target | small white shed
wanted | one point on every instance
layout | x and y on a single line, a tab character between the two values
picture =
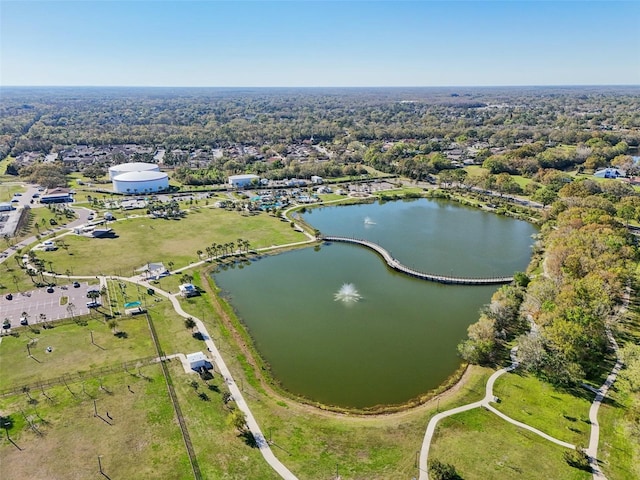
197	360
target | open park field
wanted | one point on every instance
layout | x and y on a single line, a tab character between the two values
71	350
135	433
482	445
142	240
561	414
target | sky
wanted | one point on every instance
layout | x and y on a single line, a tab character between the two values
308	43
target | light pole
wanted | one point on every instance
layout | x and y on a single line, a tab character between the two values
100	464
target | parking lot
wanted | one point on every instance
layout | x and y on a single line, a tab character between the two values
35	302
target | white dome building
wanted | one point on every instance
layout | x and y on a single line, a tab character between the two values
136	182
132	167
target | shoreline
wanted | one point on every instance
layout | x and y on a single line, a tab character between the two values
245	345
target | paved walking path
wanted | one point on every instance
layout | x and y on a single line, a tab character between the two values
594	438
241	403
592	449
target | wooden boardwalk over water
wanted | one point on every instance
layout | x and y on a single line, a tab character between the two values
396	265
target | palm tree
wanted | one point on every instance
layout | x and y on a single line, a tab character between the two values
32	273
71	308
199	252
93	295
113	325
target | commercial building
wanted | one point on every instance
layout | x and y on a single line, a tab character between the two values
57	195
240	181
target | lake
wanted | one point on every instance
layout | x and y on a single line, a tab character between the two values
398	339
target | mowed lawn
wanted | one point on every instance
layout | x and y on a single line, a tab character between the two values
140	440
538	404
222	451
143	240
480	445
72	350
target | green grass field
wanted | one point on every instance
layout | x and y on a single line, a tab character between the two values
73	351
141	440
536	403
7	191
221	450
143	240
480	445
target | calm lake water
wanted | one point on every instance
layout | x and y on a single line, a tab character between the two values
399	338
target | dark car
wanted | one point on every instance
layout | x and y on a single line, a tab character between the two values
49	289
24	321
8	296
76	285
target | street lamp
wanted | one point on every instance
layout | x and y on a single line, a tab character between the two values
100	464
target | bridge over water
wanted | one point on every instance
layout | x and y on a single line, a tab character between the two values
396	265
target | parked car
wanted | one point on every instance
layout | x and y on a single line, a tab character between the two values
76	284
24	321
49	289
8	296
6	324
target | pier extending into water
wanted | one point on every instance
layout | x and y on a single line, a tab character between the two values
396	265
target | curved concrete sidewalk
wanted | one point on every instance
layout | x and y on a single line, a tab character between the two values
486	403
252	424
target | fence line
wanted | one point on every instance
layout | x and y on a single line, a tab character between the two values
197	474
79	376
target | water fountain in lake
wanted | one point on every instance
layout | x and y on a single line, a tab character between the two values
368	221
347	294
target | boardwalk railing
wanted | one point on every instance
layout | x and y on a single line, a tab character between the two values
396	265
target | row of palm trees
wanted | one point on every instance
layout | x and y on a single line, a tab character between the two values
222	249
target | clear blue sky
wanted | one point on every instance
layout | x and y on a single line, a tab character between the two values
309	43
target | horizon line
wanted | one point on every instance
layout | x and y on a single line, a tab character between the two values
334	86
